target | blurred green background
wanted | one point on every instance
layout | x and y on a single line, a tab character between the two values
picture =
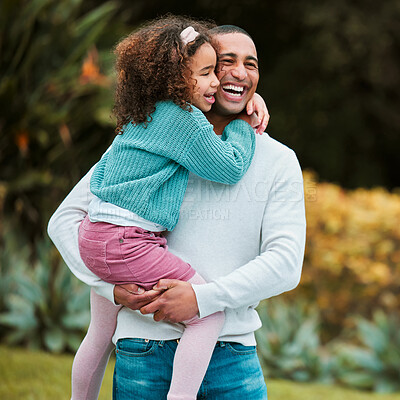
330	74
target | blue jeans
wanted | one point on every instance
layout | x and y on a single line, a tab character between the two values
143	371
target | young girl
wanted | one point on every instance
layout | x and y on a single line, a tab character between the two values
165	81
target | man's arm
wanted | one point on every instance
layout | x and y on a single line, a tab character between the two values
63	230
276	270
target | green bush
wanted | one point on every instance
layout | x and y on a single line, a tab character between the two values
372	361
47	307
289	342
365	356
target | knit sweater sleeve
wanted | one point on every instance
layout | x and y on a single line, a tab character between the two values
224	161
187	138
278	267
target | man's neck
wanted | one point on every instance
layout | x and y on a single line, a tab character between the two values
219	121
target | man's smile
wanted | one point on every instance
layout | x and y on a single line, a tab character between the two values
233	91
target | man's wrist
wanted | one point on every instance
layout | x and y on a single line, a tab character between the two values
207	302
106	290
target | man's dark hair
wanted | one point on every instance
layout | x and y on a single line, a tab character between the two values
225	29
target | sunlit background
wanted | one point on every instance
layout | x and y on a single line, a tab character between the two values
330	75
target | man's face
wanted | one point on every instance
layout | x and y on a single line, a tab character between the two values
237	72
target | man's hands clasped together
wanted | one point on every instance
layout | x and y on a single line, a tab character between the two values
171	300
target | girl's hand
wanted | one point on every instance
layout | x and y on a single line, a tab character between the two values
258	111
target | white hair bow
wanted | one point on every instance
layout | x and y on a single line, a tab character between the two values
188	35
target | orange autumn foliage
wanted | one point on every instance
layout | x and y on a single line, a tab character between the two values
91	71
22	142
352	260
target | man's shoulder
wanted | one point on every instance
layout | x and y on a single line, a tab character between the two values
273	159
270	148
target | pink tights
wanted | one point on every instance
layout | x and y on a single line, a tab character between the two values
191	360
92	356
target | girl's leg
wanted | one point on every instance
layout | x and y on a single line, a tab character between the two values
142	257
194	352
92	356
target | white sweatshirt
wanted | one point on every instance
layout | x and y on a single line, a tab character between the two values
247	240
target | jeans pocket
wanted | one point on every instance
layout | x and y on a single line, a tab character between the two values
94	255
135	347
239	349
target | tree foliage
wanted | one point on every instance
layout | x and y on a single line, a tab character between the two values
55	101
339	105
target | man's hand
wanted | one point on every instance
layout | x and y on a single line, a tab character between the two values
257	108
133	296
177	302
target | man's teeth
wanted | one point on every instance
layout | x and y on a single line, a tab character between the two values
234	90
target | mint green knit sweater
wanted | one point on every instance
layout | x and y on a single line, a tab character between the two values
146	170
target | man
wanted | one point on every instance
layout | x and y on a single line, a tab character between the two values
246	240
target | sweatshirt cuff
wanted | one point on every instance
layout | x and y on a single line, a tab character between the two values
106	290
207	301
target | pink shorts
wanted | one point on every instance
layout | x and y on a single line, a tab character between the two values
129	254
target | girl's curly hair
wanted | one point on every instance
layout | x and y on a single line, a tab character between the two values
153	65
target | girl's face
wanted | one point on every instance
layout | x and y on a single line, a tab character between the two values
202	66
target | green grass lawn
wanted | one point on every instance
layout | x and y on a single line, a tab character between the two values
29	375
